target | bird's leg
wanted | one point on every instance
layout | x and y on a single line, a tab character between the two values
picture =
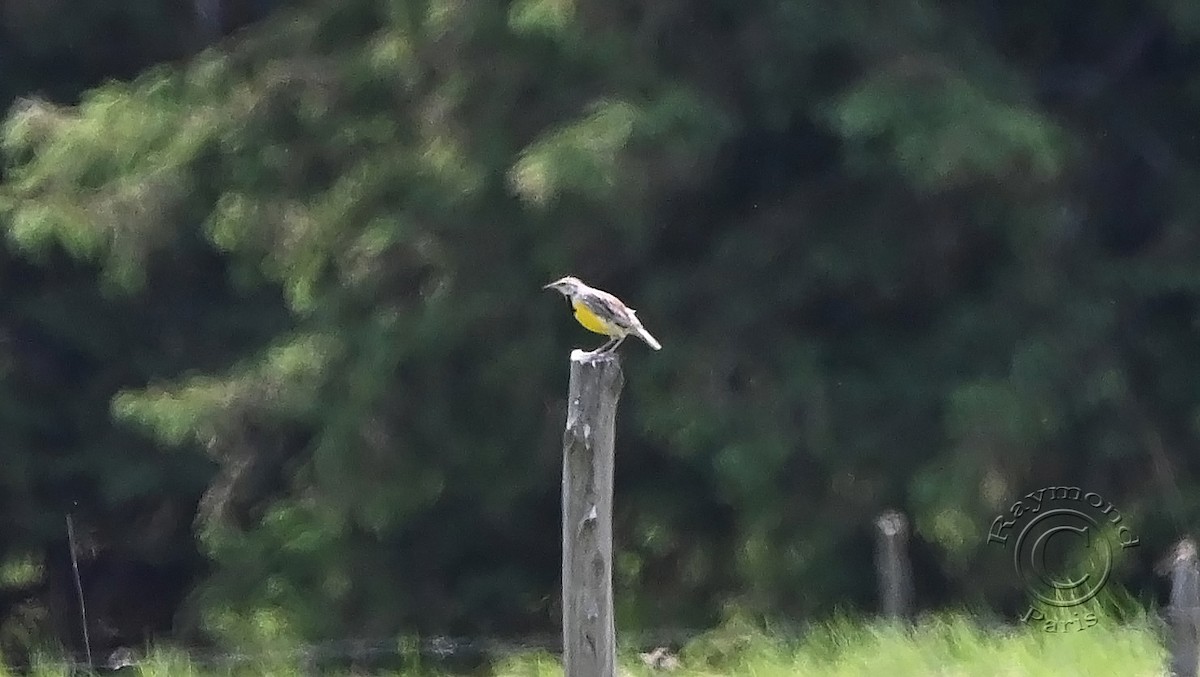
603	347
615	345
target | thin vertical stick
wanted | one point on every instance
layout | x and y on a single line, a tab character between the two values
589	631
87	642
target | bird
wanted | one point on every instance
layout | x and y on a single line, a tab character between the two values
602	313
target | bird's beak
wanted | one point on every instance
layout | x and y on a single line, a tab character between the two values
549	286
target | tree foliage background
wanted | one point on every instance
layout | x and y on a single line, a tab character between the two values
271	327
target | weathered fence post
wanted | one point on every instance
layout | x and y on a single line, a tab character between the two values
893	566
1184	610
589	632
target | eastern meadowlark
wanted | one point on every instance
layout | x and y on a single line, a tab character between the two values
602	313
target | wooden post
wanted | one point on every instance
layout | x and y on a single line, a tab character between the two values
589	631
893	566
1184	610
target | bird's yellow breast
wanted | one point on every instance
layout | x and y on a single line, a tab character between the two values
590	321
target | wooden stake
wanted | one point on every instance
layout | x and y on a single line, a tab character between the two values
1181	567
589	631
893	566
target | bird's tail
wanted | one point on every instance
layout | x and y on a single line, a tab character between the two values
645	336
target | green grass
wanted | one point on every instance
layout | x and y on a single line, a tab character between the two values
943	646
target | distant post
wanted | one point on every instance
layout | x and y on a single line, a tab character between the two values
893	565
1184	610
589	631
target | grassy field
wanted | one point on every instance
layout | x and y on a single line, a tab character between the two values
943	646
946	646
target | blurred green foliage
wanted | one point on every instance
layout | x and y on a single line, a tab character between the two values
271	313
